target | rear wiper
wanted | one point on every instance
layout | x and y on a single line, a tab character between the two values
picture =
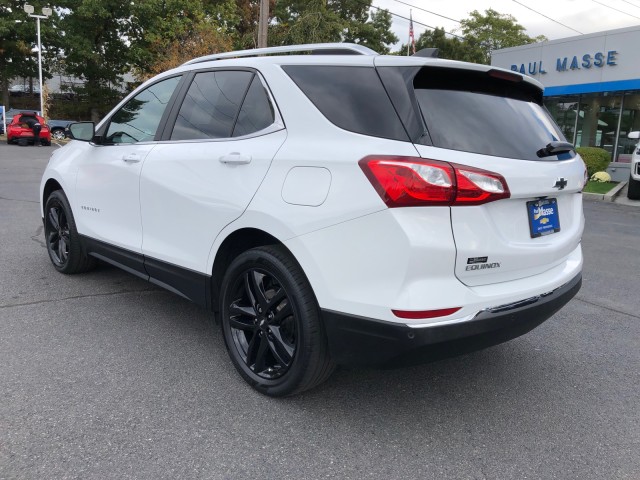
555	147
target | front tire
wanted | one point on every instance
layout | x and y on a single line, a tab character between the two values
271	323
633	190
61	236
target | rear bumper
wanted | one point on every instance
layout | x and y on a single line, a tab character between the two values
362	341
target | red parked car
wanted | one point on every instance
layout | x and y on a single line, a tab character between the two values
20	127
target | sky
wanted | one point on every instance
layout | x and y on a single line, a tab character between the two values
585	16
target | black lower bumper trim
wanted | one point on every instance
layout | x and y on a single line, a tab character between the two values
363	341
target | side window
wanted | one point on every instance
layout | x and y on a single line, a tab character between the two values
211	105
138	119
256	112
351	98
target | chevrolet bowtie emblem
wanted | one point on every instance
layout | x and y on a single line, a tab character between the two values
560	183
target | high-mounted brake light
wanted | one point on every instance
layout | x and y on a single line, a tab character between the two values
414	181
511	77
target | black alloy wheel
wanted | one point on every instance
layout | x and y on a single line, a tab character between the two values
57	234
262	323
271	323
61	236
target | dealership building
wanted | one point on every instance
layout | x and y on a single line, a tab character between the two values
592	87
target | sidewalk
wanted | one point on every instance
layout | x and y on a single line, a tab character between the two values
622	198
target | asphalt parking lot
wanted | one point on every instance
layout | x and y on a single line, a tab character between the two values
105	376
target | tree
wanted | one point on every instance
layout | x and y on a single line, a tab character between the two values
97	49
18	33
315	21
299	22
375	33
202	40
450	48
492	31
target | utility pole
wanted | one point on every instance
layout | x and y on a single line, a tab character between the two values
262	23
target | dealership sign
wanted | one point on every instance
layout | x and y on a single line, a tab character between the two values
597	60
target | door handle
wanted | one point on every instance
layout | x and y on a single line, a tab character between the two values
235	158
132	158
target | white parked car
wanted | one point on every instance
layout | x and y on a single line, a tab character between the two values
633	190
330	208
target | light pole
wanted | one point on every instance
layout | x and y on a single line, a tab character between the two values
46	13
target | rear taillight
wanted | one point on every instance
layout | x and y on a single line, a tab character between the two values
414	181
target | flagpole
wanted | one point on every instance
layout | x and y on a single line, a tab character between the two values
410	28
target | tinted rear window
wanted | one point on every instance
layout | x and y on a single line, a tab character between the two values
351	98
256	113
473	112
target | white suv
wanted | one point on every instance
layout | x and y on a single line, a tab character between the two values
330	208
633	190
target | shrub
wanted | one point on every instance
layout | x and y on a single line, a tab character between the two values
596	159
601	177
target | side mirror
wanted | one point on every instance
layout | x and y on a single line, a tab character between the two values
83	131
635	135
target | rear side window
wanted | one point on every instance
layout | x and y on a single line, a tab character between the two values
351	98
211	105
256	112
473	112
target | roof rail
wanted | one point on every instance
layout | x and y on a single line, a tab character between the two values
314	48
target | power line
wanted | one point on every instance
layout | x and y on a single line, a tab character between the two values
621	11
632	4
428	11
407	18
548	18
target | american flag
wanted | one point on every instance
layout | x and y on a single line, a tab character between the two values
412	39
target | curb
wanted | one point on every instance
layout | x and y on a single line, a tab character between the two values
614	192
592	197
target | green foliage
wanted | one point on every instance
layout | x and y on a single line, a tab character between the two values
493	31
18	34
482	35
317	21
599	187
99	41
450	48
97	49
596	159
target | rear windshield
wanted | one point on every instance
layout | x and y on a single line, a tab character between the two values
473	112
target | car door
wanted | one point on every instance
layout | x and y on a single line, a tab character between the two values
224	136
108	179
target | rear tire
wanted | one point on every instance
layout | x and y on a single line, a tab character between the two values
61	237
271	323
633	190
